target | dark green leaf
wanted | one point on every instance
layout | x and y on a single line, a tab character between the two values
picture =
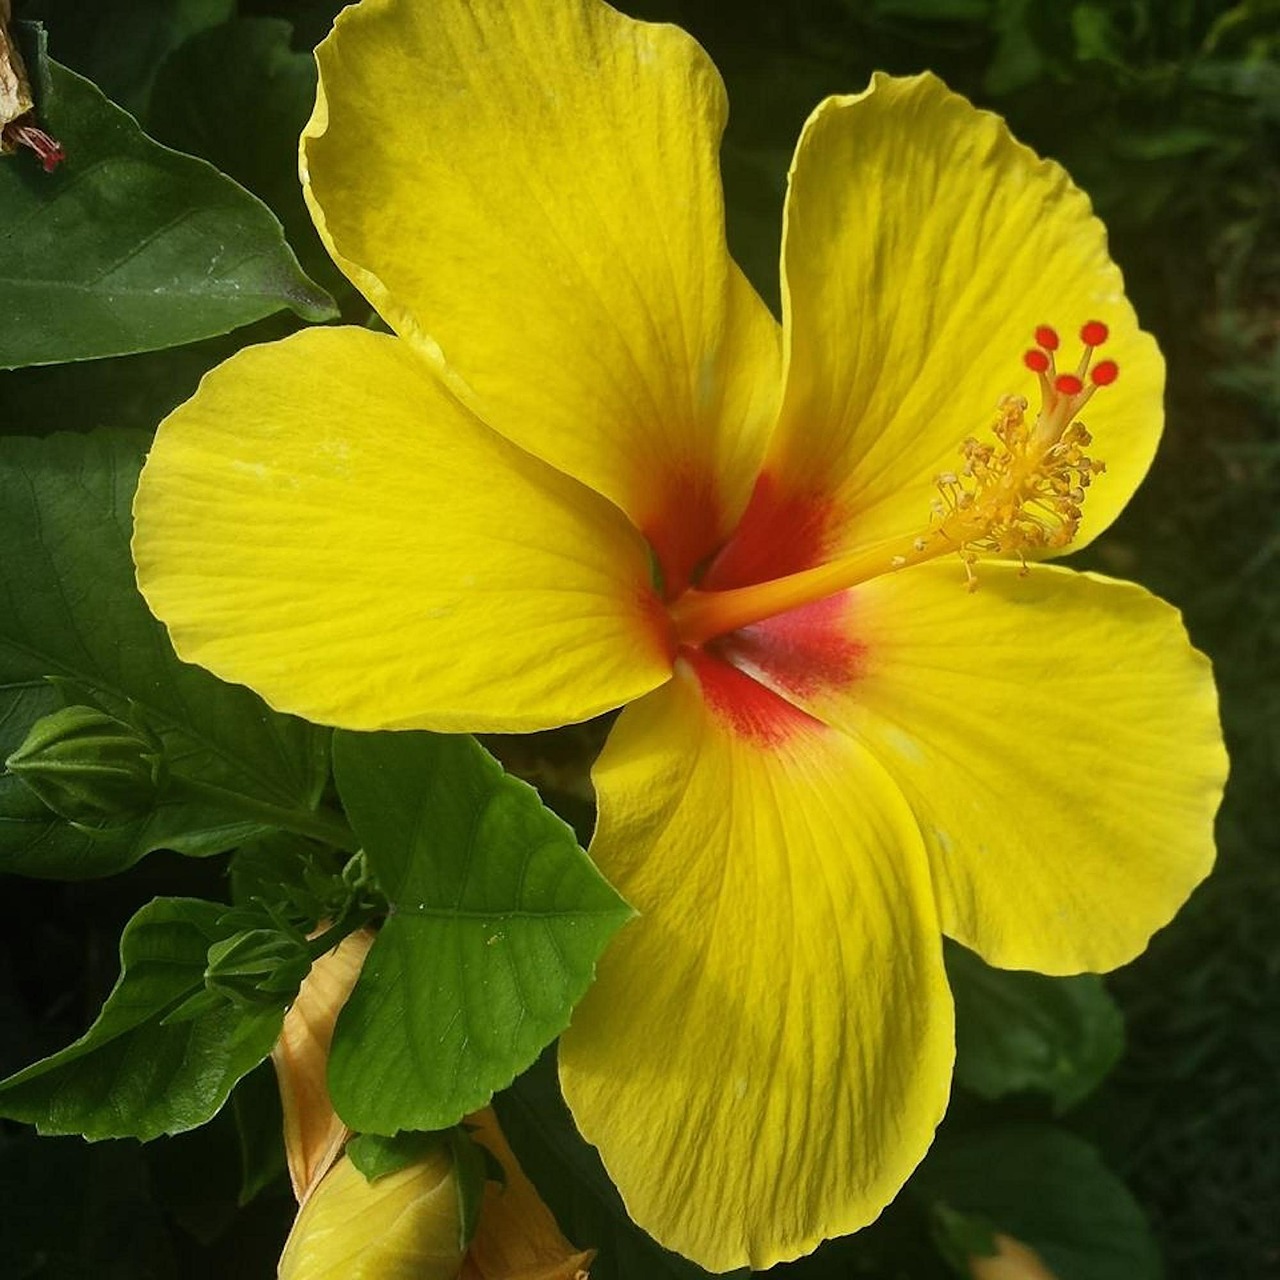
497	920
1049	1189
376	1156
570	1178
259	1122
1015	1031
238	95
961	1236
119	43
129	246
471	1165
136	1072
69	608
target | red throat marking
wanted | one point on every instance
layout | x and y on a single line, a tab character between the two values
744	705
779	533
804	652
686	529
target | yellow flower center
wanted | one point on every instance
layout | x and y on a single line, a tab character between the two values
1021	493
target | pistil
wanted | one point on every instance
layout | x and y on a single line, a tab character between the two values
1021	494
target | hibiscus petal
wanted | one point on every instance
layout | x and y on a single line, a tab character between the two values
923	246
766	1052
1057	737
324	523
530	191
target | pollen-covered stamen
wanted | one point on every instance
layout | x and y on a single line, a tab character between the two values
1016	495
1022	494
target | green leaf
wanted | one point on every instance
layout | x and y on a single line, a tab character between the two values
376	1156
570	1178
238	95
69	608
259	1124
497	920
1049	1189
119	43
1016	1031
130	246
136	1072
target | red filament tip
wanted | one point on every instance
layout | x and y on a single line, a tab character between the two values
1036	361
1104	373
1094	334
1047	338
20	134
1068	384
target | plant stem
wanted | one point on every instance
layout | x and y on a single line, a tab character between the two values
323	825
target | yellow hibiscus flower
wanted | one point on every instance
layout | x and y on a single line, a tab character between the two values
835	753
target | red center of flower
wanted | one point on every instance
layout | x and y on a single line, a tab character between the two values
773	609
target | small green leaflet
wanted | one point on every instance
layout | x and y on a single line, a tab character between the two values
130	246
69	608
1016	1031
138	1071
497	920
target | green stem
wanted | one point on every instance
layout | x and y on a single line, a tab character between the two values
328	827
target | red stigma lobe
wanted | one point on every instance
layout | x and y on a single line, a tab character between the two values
1036	361
1104	373
1094	334
1068	384
1047	338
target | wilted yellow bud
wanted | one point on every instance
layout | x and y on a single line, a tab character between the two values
1012	1260
517	1238
402	1226
313	1134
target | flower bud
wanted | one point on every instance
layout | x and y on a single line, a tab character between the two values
89	767
404	1225
257	965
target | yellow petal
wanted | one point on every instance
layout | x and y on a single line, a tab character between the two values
1057	737
313	1134
516	1238
922	247
403	1226
766	1052
324	523
529	190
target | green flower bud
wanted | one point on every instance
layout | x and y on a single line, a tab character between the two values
257	965
89	767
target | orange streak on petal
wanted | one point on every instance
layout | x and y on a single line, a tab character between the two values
516	1238
313	1134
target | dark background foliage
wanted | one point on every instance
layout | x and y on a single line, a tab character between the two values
1168	113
